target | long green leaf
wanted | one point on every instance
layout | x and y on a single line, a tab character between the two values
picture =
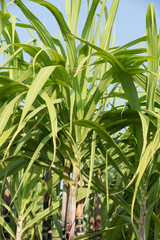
35	155
89	20
6	134
70	42
35	88
38	26
6	227
93	149
105	135
7	112
53	119
104	43
4	17
144	161
41	215
152	50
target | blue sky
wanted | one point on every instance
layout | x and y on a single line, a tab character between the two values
131	19
129	23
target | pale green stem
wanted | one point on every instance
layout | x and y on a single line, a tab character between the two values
19	227
142	222
71	211
65	199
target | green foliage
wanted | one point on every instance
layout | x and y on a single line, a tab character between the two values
63	105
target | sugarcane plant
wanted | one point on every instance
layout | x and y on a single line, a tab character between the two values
75	161
72	138
146	137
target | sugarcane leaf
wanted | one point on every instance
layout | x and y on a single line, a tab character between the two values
72	101
89	20
105	38
156	219
152	50
10	211
53	119
14	54
6	134
130	52
144	161
145	127
4	17
93	148
13	24
7	112
99	20
10	89
129	89
90	106
75	11
126	81
24	25
120	201
89	235
81	65
6	227
130	44
4	48
35	88
82	193
38	26
41	215
105	135
17	163
70	42
42	56
53	181
68	11
35	155
124	77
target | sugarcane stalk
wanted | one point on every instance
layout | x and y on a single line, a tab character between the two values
6	214
91	215
79	213
142	222
79	218
71	211
65	199
19	227
97	215
47	223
